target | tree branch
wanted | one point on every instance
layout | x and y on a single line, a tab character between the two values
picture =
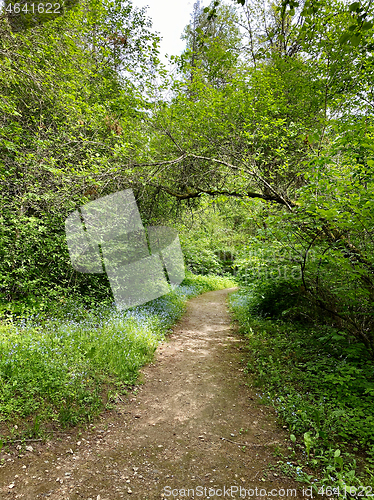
277	197
197	193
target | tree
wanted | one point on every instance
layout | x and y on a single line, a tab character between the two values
70	123
212	45
268	134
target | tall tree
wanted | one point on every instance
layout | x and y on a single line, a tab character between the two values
70	124
212	44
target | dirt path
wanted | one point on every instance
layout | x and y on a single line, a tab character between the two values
169	436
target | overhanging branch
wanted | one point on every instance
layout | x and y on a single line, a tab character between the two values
275	197
199	192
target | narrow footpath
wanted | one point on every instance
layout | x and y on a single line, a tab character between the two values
193	428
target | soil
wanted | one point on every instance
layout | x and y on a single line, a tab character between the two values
193	428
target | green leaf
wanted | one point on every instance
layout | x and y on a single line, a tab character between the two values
344	38
355	40
367	25
354	6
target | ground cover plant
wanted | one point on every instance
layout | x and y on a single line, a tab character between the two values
56	370
321	384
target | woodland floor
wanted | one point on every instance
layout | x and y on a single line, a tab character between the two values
179	430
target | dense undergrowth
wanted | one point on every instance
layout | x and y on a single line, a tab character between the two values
61	370
320	381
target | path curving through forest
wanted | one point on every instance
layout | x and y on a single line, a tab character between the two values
193	428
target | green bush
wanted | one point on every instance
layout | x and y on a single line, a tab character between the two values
202	261
275	299
320	382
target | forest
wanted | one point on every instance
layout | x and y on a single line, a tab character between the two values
256	144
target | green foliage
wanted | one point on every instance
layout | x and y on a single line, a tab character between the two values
334	221
275	299
202	261
69	121
320	382
210	240
212	44
208	283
